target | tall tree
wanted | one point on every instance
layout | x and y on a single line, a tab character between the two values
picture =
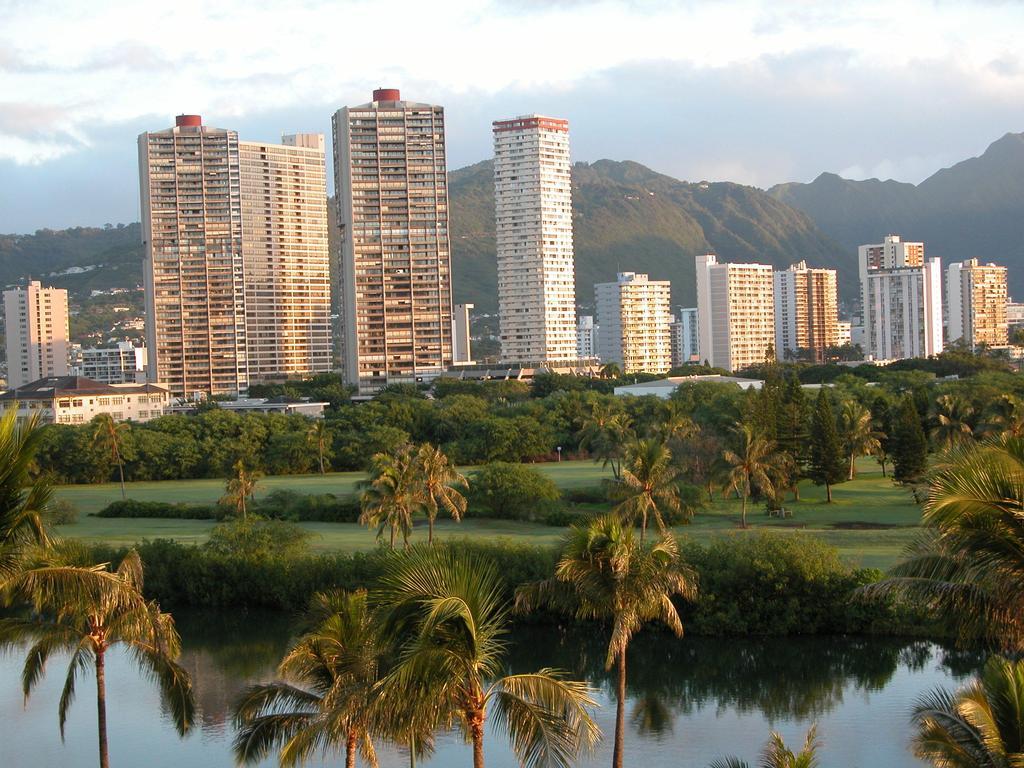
649	485
777	755
953	416
753	465
326	699
319	436
793	430
909	444
240	488
440	481
1004	416
968	568
605	574
826	466
448	612
979	726
23	497
393	494
84	612
858	433
605	433
882	412
108	437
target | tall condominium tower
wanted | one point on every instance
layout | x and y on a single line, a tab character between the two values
533	226
685	337
901	298
806	311
976	304
586	336
392	192
461	337
634	315
735	313
193	269
36	322
286	257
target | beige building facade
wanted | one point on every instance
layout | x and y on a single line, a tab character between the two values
286	258
193	270
36	326
635	315
396	285
78	400
976	304
735	313
806	311
533	230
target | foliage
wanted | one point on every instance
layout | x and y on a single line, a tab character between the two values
257	539
909	444
777	755
23	500
510	492
392	494
131	508
649	485
754	466
826	465
60	512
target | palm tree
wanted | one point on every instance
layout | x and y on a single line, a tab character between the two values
952	421
22	497
777	755
319	436
448	611
393	494
649	485
86	611
1005	416
604	573
439	478
979	726
107	436
241	487
858	433
675	424
611	371
753	465
326	699
604	434
969	565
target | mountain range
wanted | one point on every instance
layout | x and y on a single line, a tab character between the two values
630	218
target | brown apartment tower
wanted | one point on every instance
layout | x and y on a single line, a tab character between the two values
193	270
392	196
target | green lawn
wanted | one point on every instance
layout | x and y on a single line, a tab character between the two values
870	521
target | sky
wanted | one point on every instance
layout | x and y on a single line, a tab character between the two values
724	90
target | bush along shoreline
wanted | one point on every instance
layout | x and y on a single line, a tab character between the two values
765	584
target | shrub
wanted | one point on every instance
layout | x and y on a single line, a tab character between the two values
60	512
560	518
510	492
594	494
309	507
163	509
257	539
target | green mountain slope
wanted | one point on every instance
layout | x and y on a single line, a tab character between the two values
972	209
629	218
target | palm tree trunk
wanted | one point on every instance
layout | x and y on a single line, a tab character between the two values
828	492
322	470
620	712
882	462
476	731
430	530
350	750
393	536
796	490
743	512
120	469
101	706
853	470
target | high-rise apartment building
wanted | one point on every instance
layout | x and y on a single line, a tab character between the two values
735	313
36	324
901	300
286	258
193	269
462	345
634	314
586	337
533	227
123	364
806	311
392	191
976	304
685	337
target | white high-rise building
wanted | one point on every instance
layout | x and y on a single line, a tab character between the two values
976	301
735	313
193	269
901	298
586	336
123	364
685	337
533	227
806	311
36	321
286	257
463	353
634	315
391	182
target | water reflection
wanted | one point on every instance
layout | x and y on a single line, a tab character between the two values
690	700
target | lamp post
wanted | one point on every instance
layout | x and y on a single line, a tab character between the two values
559	449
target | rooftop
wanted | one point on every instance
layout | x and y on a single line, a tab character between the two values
58	386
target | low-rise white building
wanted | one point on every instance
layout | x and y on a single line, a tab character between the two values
77	400
123	364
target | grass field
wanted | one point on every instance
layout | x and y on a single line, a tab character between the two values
870	521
